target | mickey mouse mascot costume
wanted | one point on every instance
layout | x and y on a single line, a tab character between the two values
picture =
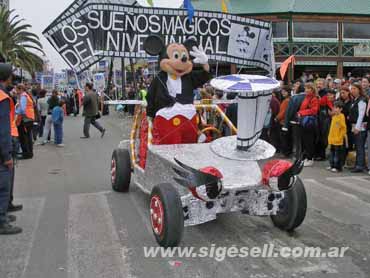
170	96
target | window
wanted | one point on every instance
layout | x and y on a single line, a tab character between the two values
318	30
280	29
356	30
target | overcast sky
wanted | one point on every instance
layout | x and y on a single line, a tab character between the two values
40	13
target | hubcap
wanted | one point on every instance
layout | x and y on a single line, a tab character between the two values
156	215
113	171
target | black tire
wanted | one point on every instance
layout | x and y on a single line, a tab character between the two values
122	162
173	216
294	207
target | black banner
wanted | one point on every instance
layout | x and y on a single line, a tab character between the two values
91	29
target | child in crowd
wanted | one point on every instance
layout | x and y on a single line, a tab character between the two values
337	138
58	116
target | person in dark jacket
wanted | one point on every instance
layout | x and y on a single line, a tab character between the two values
298	87
358	119
272	132
291	123
6	149
345	97
91	111
324	119
285	137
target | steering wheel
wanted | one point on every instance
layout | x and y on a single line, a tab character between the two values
209	131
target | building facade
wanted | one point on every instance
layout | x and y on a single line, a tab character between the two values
326	36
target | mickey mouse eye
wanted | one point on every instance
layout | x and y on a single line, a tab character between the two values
184	55
176	55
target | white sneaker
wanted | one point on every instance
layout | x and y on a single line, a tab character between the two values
328	168
60	145
308	163
334	170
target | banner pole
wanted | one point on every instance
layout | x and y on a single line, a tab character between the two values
110	75
133	72
123	76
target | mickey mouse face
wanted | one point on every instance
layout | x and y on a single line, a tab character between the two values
178	62
174	59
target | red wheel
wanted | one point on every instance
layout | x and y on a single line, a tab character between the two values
166	215
156	215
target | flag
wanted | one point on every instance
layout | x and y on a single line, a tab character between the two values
150	2
190	8
285	65
224	6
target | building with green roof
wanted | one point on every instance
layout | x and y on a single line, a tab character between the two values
326	36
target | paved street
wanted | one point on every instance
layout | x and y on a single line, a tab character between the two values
76	227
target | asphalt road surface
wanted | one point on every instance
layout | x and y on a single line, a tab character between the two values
76	227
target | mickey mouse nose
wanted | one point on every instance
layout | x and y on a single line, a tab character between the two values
184	59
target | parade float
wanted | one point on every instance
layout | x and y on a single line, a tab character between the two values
190	184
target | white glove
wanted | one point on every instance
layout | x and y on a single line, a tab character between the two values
200	56
202	138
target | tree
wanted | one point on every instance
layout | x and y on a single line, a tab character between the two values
18	45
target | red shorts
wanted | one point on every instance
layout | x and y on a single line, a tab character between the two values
177	130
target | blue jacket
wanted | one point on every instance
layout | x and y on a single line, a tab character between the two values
293	108
6	146
57	115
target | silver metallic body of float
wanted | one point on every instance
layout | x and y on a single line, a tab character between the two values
235	159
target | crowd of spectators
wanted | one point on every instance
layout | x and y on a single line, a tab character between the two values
317	119
321	119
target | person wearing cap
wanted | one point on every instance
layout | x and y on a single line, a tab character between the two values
7	129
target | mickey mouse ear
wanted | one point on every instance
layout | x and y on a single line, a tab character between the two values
189	44
153	45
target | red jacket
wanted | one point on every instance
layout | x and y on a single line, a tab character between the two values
324	101
310	106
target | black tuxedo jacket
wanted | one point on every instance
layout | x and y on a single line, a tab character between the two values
158	96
